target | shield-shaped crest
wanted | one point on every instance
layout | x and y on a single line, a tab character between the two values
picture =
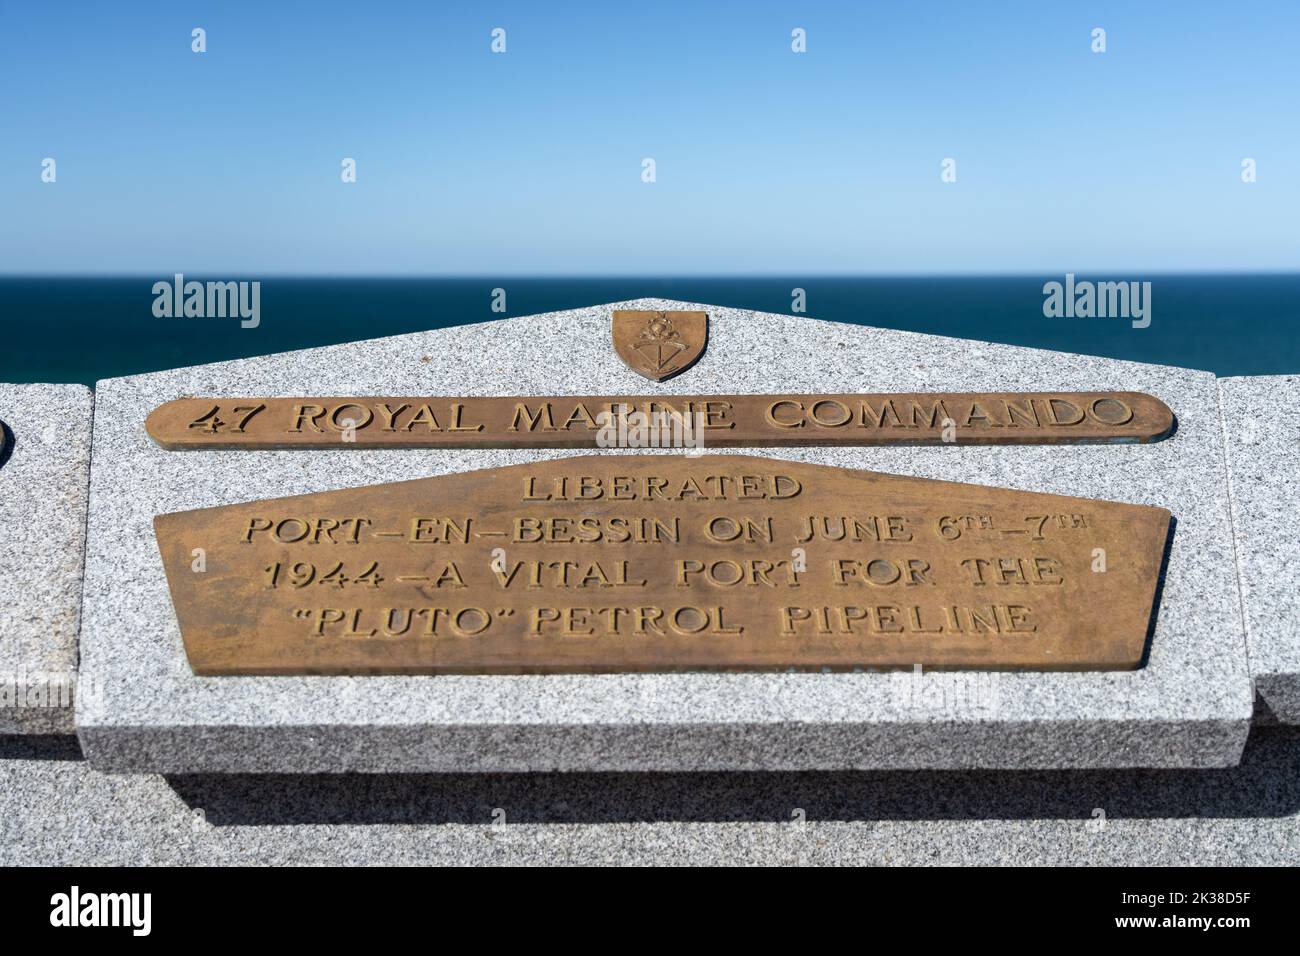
659	345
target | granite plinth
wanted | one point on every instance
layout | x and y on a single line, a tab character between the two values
1262	440
1188	706
43	476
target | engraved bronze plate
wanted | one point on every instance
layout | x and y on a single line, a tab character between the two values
659	345
662	563
645	421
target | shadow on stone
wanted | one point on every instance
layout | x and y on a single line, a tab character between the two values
1267	784
39	747
6	444
1160	589
1263	715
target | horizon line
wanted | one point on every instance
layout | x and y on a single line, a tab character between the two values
654	277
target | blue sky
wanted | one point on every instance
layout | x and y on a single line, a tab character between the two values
767	161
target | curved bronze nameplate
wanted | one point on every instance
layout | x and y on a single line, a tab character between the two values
648	421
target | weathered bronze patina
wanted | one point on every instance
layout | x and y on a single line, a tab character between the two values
663	563
659	345
646	421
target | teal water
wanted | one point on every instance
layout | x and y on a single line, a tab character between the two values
81	330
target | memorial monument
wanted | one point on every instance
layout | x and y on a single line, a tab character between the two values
911	552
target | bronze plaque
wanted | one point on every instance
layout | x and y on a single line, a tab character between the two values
659	345
647	421
663	563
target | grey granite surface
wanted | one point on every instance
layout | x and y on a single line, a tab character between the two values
1261	425
43	481
1189	706
57	810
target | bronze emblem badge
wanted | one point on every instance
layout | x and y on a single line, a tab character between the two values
660	345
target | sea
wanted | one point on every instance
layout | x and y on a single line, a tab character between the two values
85	329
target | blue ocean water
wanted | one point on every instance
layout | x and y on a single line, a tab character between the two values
84	329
